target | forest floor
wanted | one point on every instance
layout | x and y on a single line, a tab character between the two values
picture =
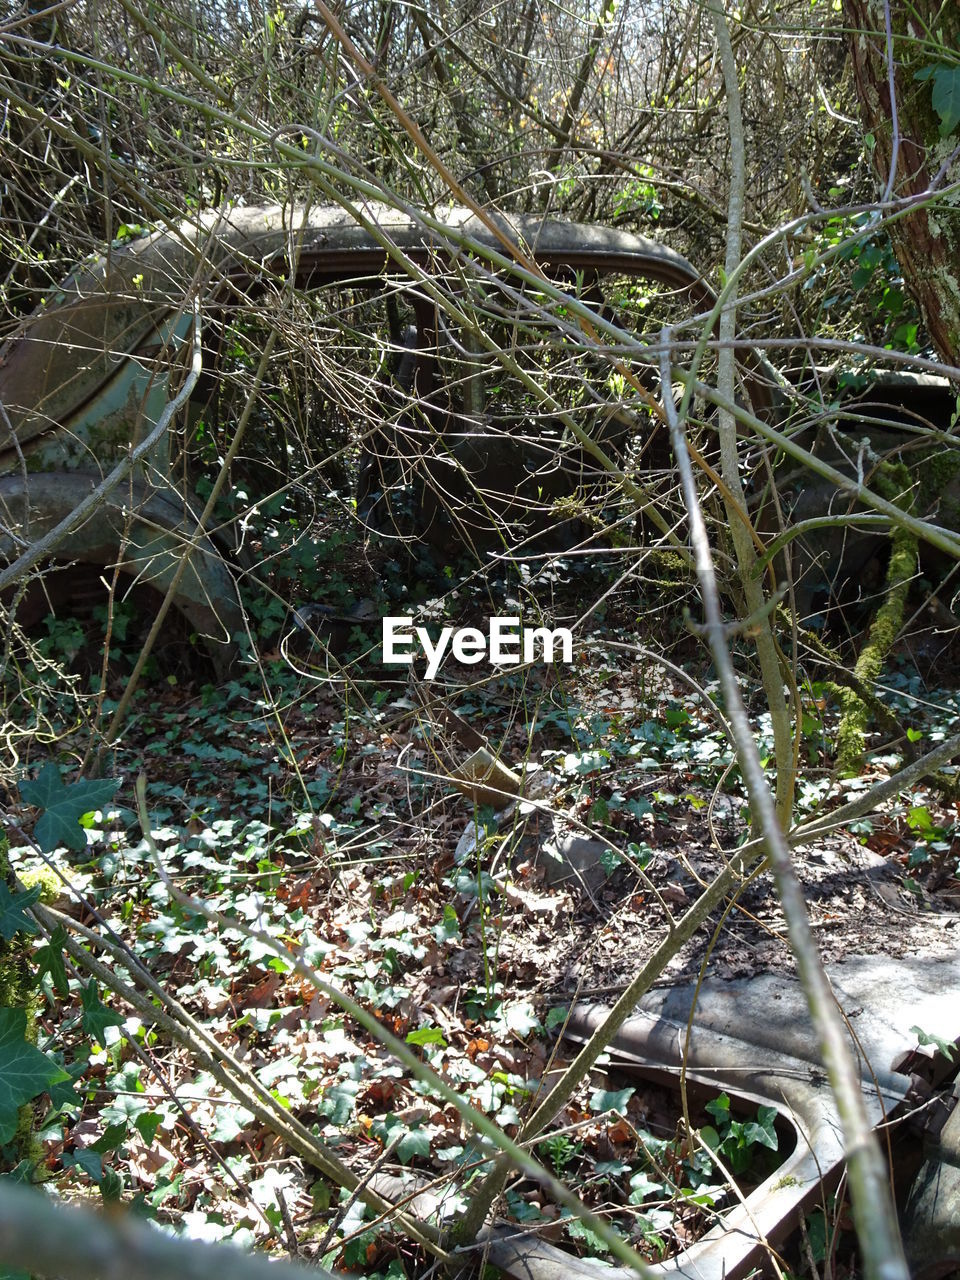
319	812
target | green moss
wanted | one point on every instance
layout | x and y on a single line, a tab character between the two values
676	572
933	470
51	886
570	507
939	468
106	436
37	464
893	483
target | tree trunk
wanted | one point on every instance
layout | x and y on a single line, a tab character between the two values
927	243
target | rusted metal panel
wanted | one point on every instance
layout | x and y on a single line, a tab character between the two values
71	350
141	530
754	1037
89	373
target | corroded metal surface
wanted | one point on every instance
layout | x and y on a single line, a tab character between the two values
89	373
143	531
931	1231
753	1037
76	344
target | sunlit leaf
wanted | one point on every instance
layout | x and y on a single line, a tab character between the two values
24	1070
96	1016
64	806
611	1100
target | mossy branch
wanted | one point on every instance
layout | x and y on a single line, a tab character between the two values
892	480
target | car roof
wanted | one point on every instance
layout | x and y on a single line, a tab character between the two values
112	305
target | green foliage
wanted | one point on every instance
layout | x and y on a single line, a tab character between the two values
64	806
339	1103
585	1235
611	1100
236	833
560	1151
279	803
861	285
49	959
946	1047
25	1072
946	93
639	197
63	1095
427	1036
736	1141
96	1016
412	1141
817	1235
131	231
12	911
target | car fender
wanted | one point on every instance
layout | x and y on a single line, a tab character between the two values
141	529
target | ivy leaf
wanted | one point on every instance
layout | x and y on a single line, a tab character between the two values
710	1136
412	1141
610	1100
719	1108
762	1133
580	1231
448	930
62	1093
518	1016
24	1070
927	1037
415	1142
918	819
12	908
49	959
147	1125
946	93
946	98
639	807
557	1016
96	1016
230	1121
111	1138
339	1102
64	806
427	1035
89	1161
817	1234
642	1185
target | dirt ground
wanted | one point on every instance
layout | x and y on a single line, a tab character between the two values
591	939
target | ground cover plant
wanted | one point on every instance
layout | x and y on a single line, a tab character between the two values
290	938
321	823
